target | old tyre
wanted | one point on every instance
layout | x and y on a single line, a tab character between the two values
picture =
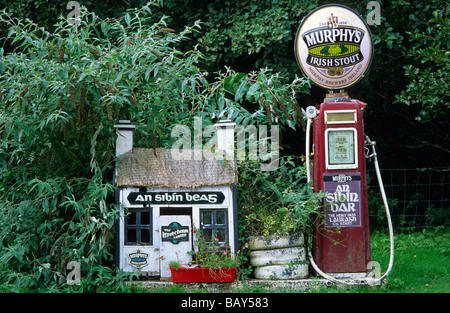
296	271
277	256
276	241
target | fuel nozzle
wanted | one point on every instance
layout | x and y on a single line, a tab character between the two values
370	143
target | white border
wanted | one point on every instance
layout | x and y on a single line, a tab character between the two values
342	166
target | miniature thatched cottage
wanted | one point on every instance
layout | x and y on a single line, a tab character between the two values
164	199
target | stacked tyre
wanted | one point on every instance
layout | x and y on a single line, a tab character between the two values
278	257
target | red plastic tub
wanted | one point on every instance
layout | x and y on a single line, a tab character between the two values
202	275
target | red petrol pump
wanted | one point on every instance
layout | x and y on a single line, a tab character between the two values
334	50
342	243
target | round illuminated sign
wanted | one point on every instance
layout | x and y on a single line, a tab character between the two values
334	46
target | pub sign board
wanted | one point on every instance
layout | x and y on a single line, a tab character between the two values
178	197
175	233
334	46
343	201
138	259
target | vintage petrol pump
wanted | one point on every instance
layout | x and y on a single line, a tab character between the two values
342	243
334	50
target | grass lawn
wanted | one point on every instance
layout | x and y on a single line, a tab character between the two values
421	262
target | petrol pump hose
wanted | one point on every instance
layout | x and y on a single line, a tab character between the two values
369	281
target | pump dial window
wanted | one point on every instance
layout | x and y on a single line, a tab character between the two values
341	148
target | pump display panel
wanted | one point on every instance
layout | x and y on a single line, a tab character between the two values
340	117
340	148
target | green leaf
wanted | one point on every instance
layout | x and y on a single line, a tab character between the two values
228	83
105	28
147	74
239	77
221	103
127	19
253	89
242	89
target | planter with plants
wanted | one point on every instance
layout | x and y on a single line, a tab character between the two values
276	209
211	263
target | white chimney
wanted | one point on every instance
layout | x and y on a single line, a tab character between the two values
124	141
225	138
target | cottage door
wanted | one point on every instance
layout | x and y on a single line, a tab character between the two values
176	241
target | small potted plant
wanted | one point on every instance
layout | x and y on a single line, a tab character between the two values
211	263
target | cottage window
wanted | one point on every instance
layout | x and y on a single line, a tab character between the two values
214	224
138	226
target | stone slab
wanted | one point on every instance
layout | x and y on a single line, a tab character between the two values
251	285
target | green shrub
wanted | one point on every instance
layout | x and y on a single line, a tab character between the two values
275	202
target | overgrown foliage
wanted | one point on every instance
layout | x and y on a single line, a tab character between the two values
61	93
275	202
247	33
429	86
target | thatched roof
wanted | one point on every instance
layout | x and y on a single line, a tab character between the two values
142	168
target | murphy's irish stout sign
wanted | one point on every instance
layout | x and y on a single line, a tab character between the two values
334	46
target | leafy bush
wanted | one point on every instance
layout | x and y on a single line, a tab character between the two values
275	202
429	78
61	93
